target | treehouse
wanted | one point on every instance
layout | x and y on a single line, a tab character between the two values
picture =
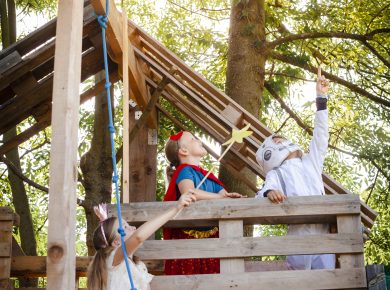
30	86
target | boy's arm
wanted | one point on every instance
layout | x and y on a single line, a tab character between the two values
271	183
319	144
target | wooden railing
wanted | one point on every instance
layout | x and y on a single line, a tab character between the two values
232	247
7	221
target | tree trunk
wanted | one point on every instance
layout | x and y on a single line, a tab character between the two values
245	71
4	24
19	195
11	21
96	166
22	208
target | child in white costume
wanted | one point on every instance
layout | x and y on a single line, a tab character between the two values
290	173
107	270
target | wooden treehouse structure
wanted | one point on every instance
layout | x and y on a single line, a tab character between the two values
39	80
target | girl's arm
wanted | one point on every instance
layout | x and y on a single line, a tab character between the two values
148	228
187	185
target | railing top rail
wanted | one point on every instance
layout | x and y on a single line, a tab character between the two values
307	209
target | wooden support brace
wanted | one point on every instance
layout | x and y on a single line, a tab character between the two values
145	114
125	122
114	37
61	259
231	229
351	224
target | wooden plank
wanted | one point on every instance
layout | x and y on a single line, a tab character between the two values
351	224
45	120
63	156
257	210
9	61
25	135
35	266
39	59
196	80
25	104
5	249
114	36
6	239
234	245
33	40
292	280
125	122
228	231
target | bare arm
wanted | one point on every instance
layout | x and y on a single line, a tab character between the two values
147	229
187	185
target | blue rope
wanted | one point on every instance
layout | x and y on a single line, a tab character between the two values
102	19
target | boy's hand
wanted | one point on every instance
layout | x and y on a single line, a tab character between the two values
276	196
322	84
185	200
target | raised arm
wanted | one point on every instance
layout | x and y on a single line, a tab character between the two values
319	144
148	228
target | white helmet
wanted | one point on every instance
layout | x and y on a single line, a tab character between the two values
271	155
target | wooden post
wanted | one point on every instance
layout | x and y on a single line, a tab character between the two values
350	224
61	259
7	220
231	229
125	92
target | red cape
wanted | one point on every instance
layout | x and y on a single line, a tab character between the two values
171	193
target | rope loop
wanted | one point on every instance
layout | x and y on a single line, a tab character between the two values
102	19
121	232
115	178
111	129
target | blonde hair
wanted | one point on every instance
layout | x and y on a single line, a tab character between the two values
172	153
97	270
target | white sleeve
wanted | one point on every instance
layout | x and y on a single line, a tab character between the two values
271	183
319	144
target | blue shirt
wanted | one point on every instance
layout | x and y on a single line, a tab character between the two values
189	173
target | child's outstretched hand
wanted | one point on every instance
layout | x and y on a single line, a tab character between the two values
185	200
276	196
322	84
231	195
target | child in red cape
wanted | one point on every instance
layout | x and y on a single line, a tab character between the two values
184	152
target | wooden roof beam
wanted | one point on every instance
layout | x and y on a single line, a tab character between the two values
114	36
45	120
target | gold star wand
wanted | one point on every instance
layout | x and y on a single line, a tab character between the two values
238	137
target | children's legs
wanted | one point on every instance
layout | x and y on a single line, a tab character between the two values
299	262
327	261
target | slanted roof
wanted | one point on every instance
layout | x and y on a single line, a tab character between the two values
26	77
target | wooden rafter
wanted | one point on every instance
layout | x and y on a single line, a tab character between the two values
114	37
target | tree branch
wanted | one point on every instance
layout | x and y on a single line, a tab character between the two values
329	34
12	167
363	38
372	186
336	79
373	50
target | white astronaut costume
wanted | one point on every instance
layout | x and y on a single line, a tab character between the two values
299	177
